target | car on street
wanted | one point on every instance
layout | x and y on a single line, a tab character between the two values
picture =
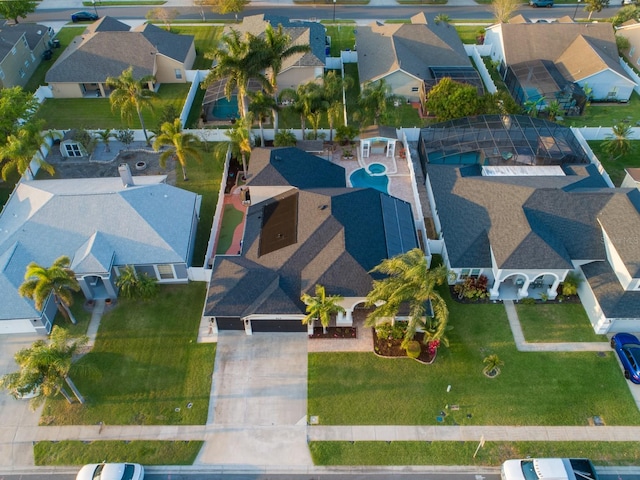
627	347
83	16
541	3
111	471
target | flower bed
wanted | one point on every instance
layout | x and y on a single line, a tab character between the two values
334	332
392	347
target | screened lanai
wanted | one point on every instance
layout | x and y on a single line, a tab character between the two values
499	140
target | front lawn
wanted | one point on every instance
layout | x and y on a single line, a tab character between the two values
146	367
542	388
563	322
95	113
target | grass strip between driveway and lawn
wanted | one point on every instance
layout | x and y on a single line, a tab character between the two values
146	452
145	367
461	453
534	388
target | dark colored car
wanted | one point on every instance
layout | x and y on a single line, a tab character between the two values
627	347
83	16
541	3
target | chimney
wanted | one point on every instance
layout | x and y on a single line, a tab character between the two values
125	174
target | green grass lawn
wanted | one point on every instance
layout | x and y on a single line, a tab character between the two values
94	113
539	388
206	40
597	115
563	322
615	167
343	37
65	35
231	218
468	33
461	453
70	452
145	364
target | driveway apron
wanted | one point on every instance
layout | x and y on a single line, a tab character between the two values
258	406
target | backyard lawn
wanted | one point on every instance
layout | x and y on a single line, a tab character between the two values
206	40
146	367
95	113
615	167
564	322
539	388
605	115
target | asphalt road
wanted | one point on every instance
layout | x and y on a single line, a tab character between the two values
325	11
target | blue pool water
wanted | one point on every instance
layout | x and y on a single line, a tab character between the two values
225	109
361	179
377	169
467	158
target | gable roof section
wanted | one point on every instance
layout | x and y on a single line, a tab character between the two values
96	55
411	48
612	298
586	57
94	256
107	24
11	34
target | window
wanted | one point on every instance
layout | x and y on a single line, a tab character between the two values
464	273
73	150
26	63
14	51
1	74
414	89
166	272
22	74
24	40
33	57
178	74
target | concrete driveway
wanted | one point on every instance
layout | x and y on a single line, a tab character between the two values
258	407
14	413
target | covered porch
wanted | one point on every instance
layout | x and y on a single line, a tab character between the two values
515	286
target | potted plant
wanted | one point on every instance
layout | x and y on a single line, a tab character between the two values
492	364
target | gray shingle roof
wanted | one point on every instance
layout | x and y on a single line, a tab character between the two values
145	224
341	235
614	301
11	34
94	56
412	48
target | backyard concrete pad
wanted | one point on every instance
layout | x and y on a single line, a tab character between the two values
257	413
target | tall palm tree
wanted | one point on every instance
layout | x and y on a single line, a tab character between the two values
373	102
618	143
58	279
44	368
129	95
181	145
321	307
279	47
410	280
333	87
238	60
307	99
239	141
20	150
262	104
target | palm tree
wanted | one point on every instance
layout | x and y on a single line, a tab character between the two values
442	18
20	150
278	45
238	60
618	143
239	142
105	137
333	87
553	110
532	107
58	279
410	280
307	99
261	105
131	95
181	145
373	102
44	368
321	307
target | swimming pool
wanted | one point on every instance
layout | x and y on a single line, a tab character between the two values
225	109
466	158
376	169
360	178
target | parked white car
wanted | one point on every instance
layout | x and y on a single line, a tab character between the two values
111	471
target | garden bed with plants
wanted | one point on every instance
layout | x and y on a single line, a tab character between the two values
334	332
388	342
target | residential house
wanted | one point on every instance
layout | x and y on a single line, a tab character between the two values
103	225
631	178
21	49
412	57
108	47
562	61
304	227
526	227
631	31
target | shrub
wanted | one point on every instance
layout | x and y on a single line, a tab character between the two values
345	134
528	301
284	138
473	288
413	349
389	331
570	284
133	285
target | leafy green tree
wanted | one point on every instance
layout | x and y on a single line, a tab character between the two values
346	133
627	12
307	99
503	10
239	142
57	280
450	99
168	114
15	9
374	103
239	59
44	368
623	44
261	105
134	285
410	280
223	7
498	103
125	137
182	146
164	15
618	143
592	6
321	307
131	95
19	151
16	107
285	138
